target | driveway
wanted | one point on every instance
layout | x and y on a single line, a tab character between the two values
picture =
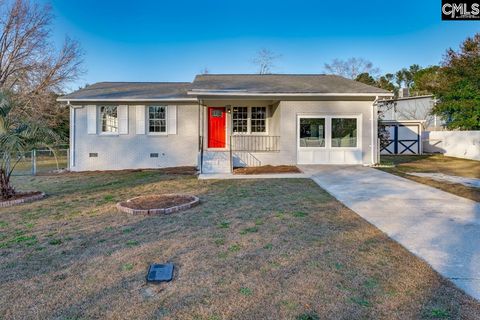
439	227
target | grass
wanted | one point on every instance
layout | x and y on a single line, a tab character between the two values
246	291
437	164
45	164
253	249
248	230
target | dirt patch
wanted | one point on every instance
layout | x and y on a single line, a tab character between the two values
157	201
267	169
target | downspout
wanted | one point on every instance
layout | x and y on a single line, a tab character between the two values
72	136
200	134
374	127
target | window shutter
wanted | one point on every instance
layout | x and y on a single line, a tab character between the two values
123	119
92	119
140	119
172	120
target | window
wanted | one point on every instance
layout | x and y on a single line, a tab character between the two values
312	132
157	122
249	120
259	119
217	113
344	132
109	118
240	119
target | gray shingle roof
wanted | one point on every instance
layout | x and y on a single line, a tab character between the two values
117	91
280	83
218	84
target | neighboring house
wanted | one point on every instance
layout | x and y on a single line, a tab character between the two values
220	121
412	108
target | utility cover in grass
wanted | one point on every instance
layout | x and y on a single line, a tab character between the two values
160	272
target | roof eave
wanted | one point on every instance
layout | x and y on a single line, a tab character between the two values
65	99
302	94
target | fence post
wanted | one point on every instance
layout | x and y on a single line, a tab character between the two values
34	162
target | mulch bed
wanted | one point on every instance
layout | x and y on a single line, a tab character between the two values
267	169
158	204
21	197
157	201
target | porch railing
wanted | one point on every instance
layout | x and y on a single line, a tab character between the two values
255	143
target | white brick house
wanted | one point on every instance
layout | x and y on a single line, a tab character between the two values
219	121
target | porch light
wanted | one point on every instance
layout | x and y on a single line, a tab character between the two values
229	108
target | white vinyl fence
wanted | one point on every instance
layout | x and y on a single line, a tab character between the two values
460	144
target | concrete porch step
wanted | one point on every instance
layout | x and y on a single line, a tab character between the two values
216	162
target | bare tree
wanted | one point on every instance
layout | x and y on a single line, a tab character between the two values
264	60
205	70
30	65
351	67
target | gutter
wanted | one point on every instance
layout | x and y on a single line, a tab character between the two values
304	94
231	93
126	100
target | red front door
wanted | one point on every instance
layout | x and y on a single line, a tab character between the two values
216	127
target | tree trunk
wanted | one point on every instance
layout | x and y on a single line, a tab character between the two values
6	189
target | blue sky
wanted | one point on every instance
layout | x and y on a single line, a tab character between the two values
173	40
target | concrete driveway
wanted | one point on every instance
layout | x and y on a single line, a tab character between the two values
439	227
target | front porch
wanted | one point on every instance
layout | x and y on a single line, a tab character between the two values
237	134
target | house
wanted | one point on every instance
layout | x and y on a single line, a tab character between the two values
412	108
223	120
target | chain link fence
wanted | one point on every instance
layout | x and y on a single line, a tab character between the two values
41	161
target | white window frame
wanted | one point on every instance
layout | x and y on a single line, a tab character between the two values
358	146
147	120
249	122
328	130
100	121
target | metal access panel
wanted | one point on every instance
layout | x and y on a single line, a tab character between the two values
403	139
160	273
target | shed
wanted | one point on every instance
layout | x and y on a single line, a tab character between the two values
405	137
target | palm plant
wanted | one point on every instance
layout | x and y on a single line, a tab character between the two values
18	134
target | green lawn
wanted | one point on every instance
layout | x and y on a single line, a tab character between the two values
272	249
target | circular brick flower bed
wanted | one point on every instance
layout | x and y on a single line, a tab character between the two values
158	204
22	198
